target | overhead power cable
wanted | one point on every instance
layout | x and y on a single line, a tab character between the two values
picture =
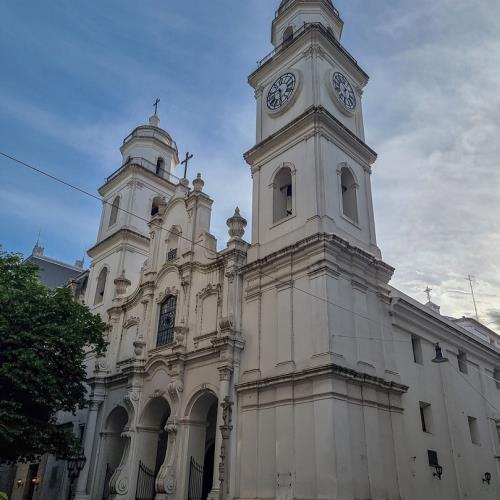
157	226
351	337
475	390
211	250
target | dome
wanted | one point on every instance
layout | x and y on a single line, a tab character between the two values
152	131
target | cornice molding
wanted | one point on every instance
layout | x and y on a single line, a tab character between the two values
330	369
325	241
123	234
319	121
412	318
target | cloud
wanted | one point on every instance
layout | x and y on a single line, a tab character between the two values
432	111
440	166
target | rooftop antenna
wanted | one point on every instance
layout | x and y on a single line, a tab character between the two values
470	279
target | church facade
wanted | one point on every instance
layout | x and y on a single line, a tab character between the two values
284	367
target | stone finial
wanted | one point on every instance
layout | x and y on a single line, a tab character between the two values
154	120
121	284
198	184
236	225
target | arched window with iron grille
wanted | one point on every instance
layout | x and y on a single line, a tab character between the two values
166	322
114	211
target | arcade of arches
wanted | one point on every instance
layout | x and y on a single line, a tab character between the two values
151	452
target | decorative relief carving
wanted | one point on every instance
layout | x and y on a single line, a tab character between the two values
139	346
165	293
225	373
210	289
101	365
157	393
180	335
226	324
121	284
170	486
130	400
132	321
175	388
121	486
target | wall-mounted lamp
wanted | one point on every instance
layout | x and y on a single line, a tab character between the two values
19	483
487	477
439	472
434	463
439	355
36	481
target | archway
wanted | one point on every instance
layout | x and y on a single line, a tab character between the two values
152	446
113	445
201	449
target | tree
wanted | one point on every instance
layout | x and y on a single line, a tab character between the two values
44	339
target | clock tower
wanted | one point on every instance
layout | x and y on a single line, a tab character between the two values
318	368
311	167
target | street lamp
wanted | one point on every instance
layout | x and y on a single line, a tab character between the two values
75	466
439	355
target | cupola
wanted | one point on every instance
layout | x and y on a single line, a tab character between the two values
151	147
292	15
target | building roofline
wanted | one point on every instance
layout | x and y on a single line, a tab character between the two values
54	261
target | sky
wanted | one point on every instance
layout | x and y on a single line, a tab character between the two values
77	77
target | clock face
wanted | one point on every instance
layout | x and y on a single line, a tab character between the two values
281	91
343	91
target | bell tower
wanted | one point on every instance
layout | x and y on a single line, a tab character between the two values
130	196
310	166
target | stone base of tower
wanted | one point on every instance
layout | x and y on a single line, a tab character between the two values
326	433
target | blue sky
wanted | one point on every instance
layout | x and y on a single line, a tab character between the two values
77	77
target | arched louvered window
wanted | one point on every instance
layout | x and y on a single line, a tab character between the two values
283	194
160	167
349	194
166	322
155	206
173	243
114	211
288	36
101	286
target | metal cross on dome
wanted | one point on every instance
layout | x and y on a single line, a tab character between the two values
428	291
155	104
185	163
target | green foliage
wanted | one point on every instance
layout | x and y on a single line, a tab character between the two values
44	339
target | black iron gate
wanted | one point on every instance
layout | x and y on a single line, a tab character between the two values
195	480
145	483
107	479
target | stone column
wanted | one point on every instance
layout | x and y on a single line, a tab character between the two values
88	448
225	373
225	430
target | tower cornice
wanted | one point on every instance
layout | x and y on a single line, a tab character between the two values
120	236
318	120
135	166
304	36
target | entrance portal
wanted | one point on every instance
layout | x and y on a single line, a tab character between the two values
152	449
113	446
203	434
